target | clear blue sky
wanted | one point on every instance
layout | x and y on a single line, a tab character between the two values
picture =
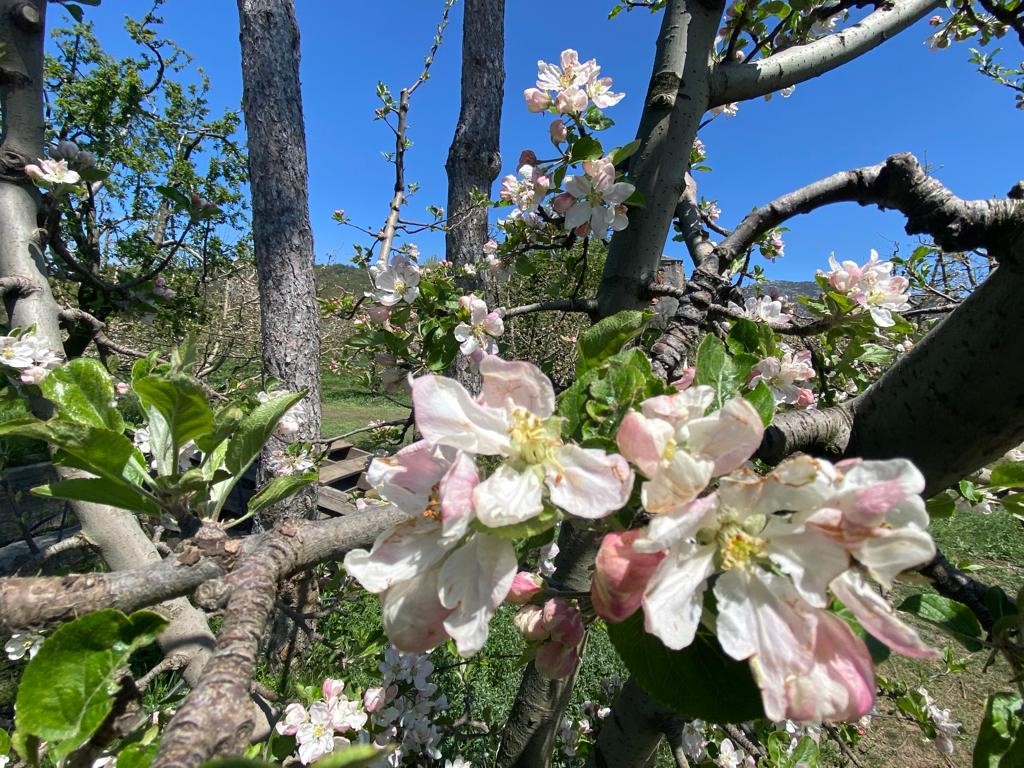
899	97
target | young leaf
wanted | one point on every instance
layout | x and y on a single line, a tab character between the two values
763	400
255	429
83	392
699	681
67	690
586	148
100	491
955	618
606	337
280	488
1000	741
182	403
1007	475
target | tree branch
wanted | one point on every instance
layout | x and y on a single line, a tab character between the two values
587	306
739	82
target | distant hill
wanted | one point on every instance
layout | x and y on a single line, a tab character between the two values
332	279
789	288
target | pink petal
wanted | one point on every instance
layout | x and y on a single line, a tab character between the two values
589	483
643	441
621	575
877	616
456	494
413	615
516	382
407	479
447	415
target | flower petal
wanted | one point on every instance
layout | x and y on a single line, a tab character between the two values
674	598
508	496
474	581
523	384
399	554
447	415
589	482
877	616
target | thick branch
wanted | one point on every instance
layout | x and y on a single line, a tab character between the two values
587	306
739	82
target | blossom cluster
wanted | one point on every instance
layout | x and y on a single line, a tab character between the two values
29	355
571	87
327	724
781	374
397	281
872	286
775	549
556	630
445	572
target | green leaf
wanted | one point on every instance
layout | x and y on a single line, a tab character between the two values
100	491
280	488
353	756
180	199
137	755
624	152
76	12
585	148
83	392
255	429
597	119
805	754
763	400
699	681
636	200
67	690
535	526
955	618
940	505
606	337
726	374
182	403
1006	475
1000	734
5	742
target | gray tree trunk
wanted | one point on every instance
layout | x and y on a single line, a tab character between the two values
473	158
282	236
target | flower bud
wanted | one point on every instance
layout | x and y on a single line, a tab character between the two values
621	575
558	131
524	586
373	699
527	157
332	688
555	661
530	623
536	99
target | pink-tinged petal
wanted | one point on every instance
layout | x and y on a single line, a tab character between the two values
332	688
578	186
407	479
555	661
474	581
579	214
619	193
588	482
677	524
456	494
412	614
680	482
536	100
529	620
840	687
680	407
761	617
809	557
524	587
685	379
399	554
621	575
729	436
674	598
890	551
877	616
563	621
516	382
508	496
643	441
447	415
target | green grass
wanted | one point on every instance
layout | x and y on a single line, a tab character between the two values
346	406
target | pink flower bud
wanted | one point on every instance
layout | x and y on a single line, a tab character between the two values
563	202
122	389
805	399
524	587
373	699
621	575
558	131
332	688
571	101
527	157
490	247
685	379
554	660
536	99
530	623
935	20
563	621
339	213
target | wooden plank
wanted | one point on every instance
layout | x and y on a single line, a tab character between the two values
332	472
333	501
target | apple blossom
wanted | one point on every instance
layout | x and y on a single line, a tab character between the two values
621	575
729	110
524	586
397	282
557	629
872	286
764	309
512	418
51	173
781	375
528	190
23	643
597	198
283	463
536	100
600	92
480	334
558	131
315	737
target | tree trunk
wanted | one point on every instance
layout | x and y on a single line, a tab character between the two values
282	236
473	158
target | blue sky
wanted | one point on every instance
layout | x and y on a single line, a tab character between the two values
899	97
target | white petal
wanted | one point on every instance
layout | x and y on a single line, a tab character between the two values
447	415
508	496
523	384
399	554
474	581
674	598
589	482
412	614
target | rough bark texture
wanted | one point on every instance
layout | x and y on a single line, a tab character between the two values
677	97
528	738
282	237
630	735
473	158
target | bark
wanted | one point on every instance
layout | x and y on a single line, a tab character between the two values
473	158
677	97
738	82
282	236
528	738
632	732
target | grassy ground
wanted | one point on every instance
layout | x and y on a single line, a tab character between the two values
347	406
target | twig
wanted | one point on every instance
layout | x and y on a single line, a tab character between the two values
586	306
